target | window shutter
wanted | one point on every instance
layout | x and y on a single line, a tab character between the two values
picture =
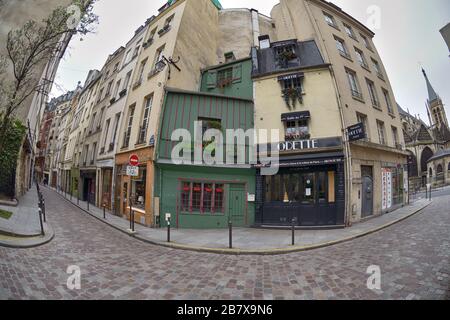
212	79
237	73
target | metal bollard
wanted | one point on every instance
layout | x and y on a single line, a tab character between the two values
168	230
43	210
104	211
40	221
293	231
230	229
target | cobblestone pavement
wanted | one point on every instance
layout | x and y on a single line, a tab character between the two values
414	257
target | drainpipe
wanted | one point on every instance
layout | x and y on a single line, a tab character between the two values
347	150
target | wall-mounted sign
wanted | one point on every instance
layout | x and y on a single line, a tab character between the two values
132	171
356	132
251	197
291	76
295	116
134	160
152	141
386	188
309	144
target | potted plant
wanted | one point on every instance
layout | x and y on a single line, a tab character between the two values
292	95
284	57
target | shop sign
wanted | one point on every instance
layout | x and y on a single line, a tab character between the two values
386	188
309	144
132	171
251	197
356	132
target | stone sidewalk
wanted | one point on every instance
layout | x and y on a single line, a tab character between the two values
25	219
251	240
23	229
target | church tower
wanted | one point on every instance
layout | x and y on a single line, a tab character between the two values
435	107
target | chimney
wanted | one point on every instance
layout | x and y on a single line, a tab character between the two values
264	41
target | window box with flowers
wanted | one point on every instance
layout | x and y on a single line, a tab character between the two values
292	95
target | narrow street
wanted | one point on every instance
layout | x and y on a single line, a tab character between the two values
414	257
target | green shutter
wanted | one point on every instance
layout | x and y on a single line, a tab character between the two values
237	73
212	79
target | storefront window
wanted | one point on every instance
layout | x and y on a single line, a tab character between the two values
397	183
218	198
185	196
322	187
138	189
196	196
202	197
207	197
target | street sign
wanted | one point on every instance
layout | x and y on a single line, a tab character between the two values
168	216
132	171
356	132
134	160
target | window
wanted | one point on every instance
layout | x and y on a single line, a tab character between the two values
116	67
329	19
114	134
381	132
167	26
395	137
297	130
366	42
100	96
127	80
362	118
361	58
141	72
349	31
99	120
387	99
152	36
159	55
202	197
108	123
169	20
86	154
340	44
108	90
225	77
372	93
377	67
354	86
94	149
116	90
196	196
92	124
138	186
143	129
127	56
136	49
126	138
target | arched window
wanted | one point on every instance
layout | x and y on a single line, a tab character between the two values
431	172
440	169
449	166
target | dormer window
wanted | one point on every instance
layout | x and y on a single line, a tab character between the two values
285	54
229	56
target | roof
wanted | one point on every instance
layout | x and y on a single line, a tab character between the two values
432	95
308	55
440	154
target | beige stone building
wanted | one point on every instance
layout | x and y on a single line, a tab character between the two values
13	15
112	121
377	179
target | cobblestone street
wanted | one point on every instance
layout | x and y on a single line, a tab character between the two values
414	257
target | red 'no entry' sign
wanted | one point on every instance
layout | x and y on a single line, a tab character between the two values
134	160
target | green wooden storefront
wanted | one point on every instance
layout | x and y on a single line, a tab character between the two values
200	196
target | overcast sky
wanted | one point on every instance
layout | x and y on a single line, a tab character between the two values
408	38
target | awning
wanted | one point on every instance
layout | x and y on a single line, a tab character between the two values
295	116
291	76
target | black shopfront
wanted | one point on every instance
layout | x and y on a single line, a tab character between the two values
308	188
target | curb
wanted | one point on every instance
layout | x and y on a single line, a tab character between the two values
263	252
28	242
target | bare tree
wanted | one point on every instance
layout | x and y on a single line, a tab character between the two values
31	47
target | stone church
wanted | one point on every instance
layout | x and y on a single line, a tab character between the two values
427	143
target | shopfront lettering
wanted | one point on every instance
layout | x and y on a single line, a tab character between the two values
298	145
